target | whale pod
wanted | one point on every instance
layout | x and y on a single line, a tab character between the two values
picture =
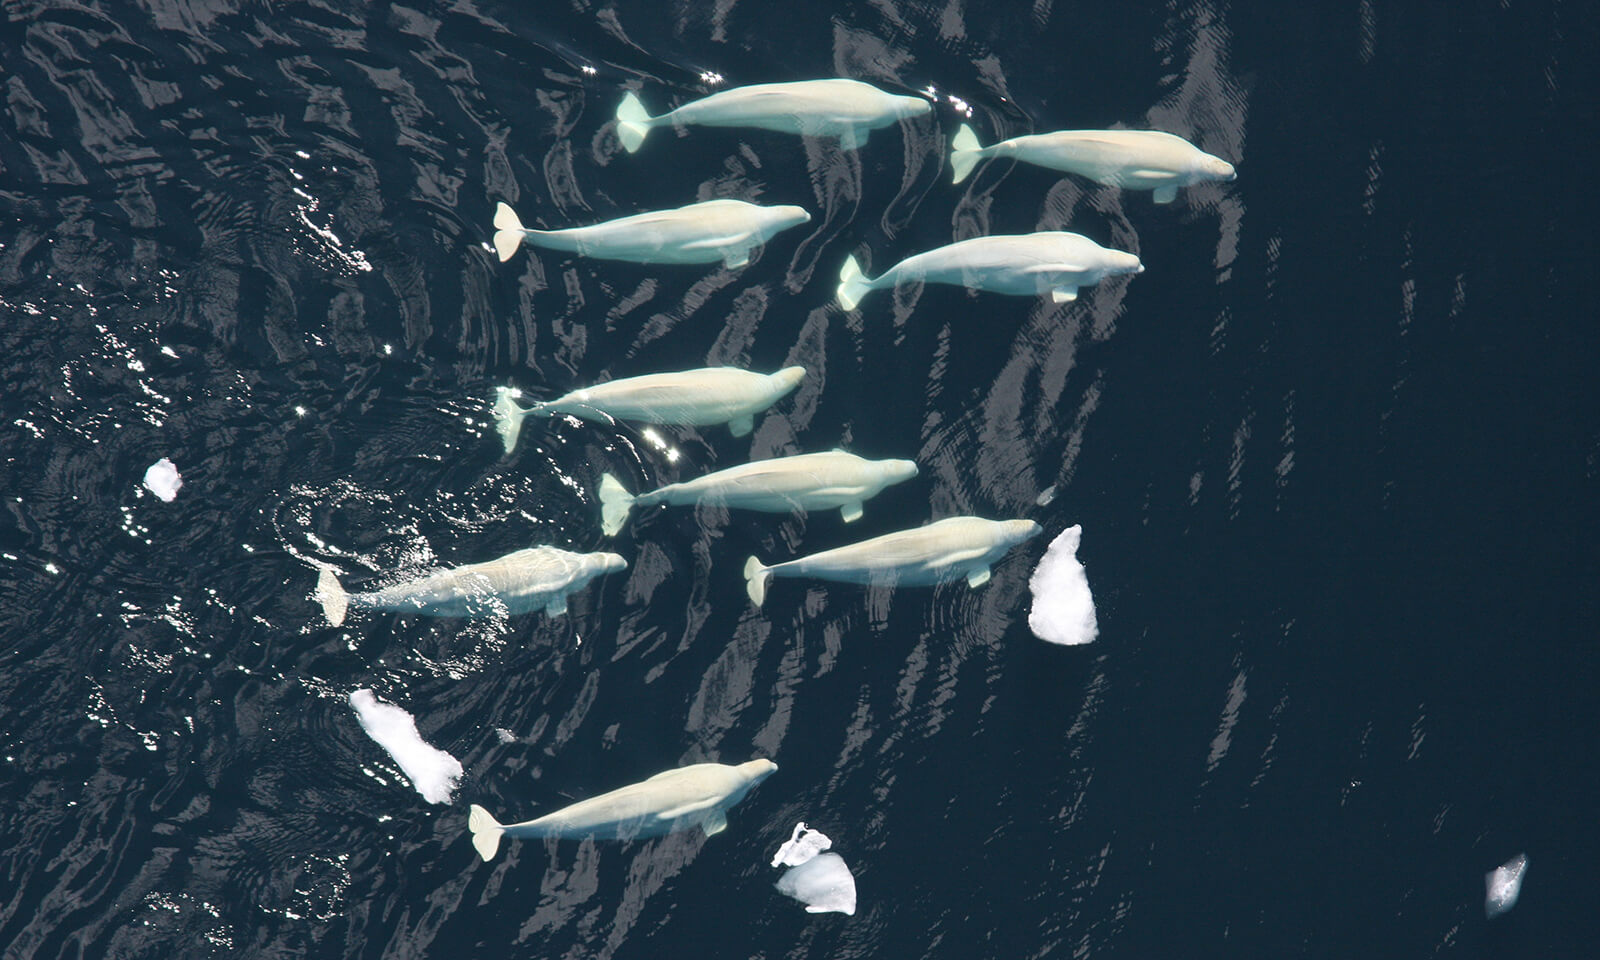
531	579
716	230
810	481
696	795
696	398
1029	264
847	109
1130	159
951	549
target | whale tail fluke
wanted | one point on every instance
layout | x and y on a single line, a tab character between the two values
633	122
756	578
965	152
508	231
486	832
853	284
331	594
508	416
615	502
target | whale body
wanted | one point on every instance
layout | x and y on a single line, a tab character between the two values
950	549
716	230
693	398
847	109
1029	264
811	481
697	795
521	581
1130	159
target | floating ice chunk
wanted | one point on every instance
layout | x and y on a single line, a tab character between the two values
432	771
162	479
1063	609
1502	885
802	845
823	884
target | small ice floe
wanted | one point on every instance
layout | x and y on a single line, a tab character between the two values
1063	609
819	880
162	479
1502	885
432	771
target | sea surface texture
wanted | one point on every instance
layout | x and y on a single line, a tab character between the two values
1335	455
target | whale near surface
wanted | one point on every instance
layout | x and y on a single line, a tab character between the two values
949	549
696	795
809	481
1028	264
847	109
708	232
521	581
1130	159
687	398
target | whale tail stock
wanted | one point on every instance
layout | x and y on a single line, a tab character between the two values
756	578
965	152
615	502
331	594
508	231
508	416
486	832
853	284
633	122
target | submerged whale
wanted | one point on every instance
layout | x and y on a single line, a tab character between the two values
847	109
725	230
531	579
699	794
691	398
810	481
1130	159
1028	264
950	549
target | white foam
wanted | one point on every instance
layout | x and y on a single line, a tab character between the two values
819	880
1063	608
823	883
432	771
163	480
803	844
1503	884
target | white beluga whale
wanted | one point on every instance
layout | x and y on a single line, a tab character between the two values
951	549
1130	159
708	232
697	795
1028	264
847	109
810	481
537	578
688	398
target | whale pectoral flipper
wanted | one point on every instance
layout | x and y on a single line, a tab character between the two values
1166	194
742	425
851	511
735	258
1063	294
851	138
977	577
715	823
557	605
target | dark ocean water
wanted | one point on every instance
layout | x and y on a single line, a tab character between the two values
1336	455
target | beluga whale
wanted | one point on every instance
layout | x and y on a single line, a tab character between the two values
1130	159
809	481
950	549
1028	264
691	398
707	232
847	109
696	795
524	580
